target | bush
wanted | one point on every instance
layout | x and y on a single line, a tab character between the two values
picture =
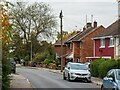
47	61
94	67
5	76
100	67
105	66
118	63
40	57
26	58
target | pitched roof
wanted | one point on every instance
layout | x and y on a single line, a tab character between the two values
65	40
112	30
83	34
77	38
71	38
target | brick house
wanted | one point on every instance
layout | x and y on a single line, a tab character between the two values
107	44
66	49
82	45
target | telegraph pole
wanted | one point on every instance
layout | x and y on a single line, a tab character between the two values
61	16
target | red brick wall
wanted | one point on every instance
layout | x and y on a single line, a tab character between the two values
87	44
58	51
76	47
68	49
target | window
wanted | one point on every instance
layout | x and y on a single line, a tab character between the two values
102	42
71	47
111	42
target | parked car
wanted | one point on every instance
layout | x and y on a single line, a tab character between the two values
76	71
13	65
87	64
112	80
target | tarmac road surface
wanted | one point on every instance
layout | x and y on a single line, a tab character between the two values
41	78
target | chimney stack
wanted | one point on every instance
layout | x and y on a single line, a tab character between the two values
84	28
89	24
95	24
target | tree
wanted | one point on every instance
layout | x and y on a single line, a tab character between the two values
5	38
65	35
31	23
37	18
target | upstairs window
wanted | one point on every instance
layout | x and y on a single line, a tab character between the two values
71	47
102	43
111	42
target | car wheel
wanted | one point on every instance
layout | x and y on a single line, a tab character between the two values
64	78
69	77
102	87
88	81
14	71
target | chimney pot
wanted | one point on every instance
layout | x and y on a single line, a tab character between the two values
95	24
89	25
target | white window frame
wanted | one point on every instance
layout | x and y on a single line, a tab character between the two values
111	42
102	43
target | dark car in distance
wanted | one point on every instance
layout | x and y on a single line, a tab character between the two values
13	65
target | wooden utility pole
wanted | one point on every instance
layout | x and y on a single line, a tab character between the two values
61	16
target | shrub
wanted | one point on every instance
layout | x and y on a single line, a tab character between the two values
118	63
94	67
40	57
100	67
5	76
105	66
27	58
48	61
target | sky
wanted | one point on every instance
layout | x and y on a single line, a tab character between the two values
105	12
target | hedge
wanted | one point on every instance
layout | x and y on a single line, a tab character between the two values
105	66
100	67
94	67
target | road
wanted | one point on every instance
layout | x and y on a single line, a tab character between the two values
41	78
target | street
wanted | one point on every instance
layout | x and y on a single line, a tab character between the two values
41	78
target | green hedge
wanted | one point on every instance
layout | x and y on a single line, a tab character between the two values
94	67
100	67
105	66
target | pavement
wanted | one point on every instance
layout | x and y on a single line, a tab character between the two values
19	81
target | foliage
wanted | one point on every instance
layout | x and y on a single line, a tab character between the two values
105	66
34	18
118	63
40	57
6	39
32	23
46	49
65	34
95	66
69	34
5	76
49	60
100	67
26	58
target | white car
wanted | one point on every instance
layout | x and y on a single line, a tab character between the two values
76	71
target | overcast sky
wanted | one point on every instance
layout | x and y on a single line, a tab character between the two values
104	12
